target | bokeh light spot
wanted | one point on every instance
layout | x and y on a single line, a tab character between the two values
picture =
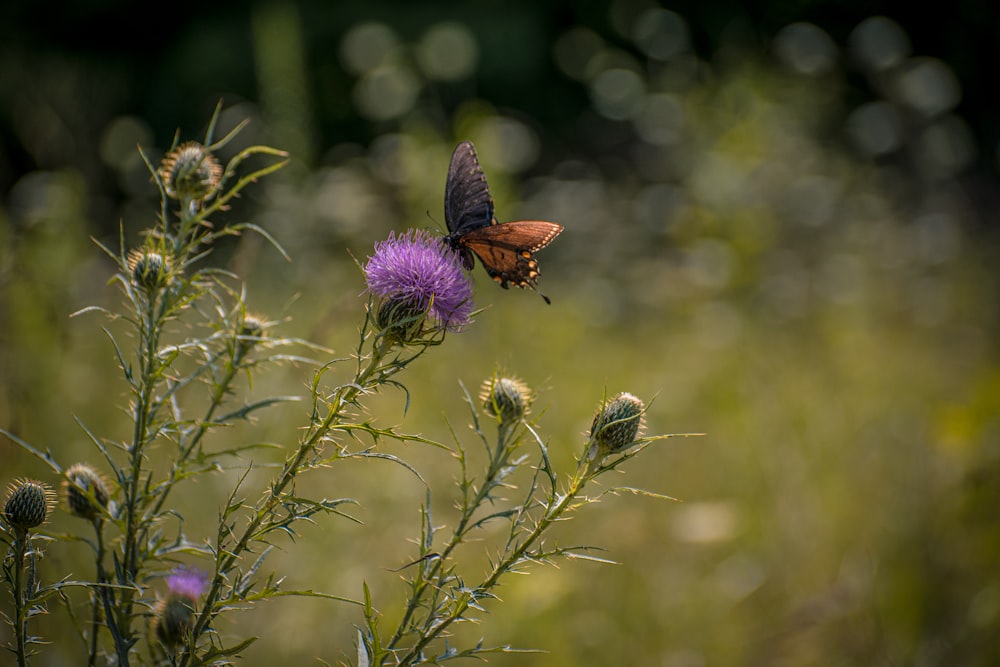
704	522
617	93
661	34
386	92
928	86
875	128
574	49
946	147
365	46
878	43
660	120
448	52
806	48
511	144
120	138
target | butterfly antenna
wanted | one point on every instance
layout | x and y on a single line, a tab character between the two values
547	299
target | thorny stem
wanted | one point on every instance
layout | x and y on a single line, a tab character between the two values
20	610
219	390
149	335
500	456
98	594
372	374
555	509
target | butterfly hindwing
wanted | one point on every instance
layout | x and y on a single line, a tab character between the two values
504	249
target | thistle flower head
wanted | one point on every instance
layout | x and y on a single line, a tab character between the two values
417	282
28	503
187	581
617	425
190	171
85	491
506	398
173	617
149	269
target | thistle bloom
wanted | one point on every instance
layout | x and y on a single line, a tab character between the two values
414	275
187	581
173	617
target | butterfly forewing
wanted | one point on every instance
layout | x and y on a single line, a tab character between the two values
467	200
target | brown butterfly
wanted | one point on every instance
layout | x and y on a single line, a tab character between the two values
504	249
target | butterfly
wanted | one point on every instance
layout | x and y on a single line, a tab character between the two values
504	249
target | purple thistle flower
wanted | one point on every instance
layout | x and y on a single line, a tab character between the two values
187	581
416	270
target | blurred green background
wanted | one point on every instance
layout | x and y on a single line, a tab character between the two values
780	223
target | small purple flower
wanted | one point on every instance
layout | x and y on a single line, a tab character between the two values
187	581
416	270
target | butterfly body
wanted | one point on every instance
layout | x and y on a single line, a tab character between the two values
506	250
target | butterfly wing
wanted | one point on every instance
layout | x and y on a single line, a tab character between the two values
507	250
467	200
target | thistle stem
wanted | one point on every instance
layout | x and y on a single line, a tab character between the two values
20	607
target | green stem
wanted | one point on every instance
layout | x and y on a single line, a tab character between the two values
149	335
98	594
219	392
434	627
20	610
499	458
367	378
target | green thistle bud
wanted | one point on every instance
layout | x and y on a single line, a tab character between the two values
400	320
173	619
507	399
190	172
250	333
28	503
85	491
616	427
149	269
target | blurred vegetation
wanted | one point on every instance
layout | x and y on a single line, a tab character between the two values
779	224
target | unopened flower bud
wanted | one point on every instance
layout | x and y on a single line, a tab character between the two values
508	399
617	425
28	504
173	619
250	333
400	320
190	171
85	491
149	269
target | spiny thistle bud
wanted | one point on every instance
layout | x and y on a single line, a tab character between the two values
508	399
249	334
173	619
190	172
149	269
617	425
28	503
86	491
174	615
400	320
